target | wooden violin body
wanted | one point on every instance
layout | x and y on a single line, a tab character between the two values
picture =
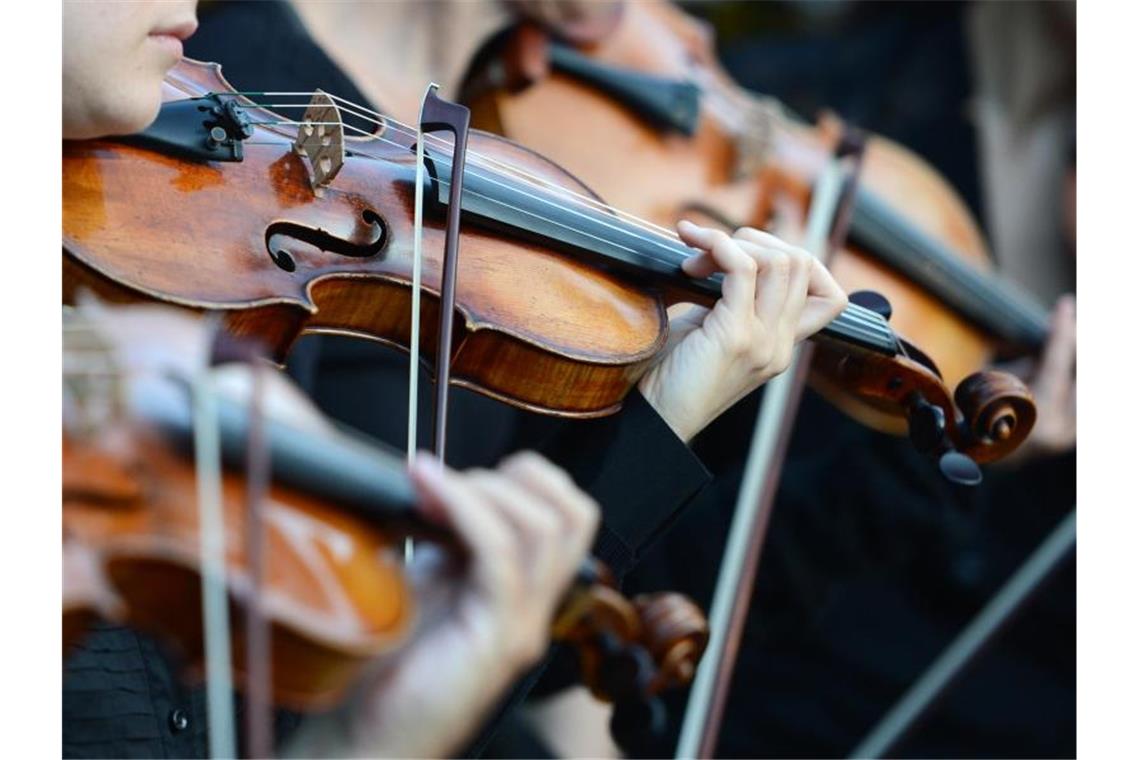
329	524
534	328
333	589
745	163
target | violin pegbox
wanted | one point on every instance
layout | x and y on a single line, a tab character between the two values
320	140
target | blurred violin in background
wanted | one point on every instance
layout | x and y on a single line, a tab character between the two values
658	127
327	573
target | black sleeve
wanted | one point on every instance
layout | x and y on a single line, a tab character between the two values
637	469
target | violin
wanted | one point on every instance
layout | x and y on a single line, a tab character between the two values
332	588
663	131
560	298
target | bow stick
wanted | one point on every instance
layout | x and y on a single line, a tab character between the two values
705	711
943	672
212	556
437	115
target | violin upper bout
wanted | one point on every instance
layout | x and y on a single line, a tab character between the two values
192	78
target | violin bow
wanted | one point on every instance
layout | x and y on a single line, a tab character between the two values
212	557
1010	599
437	114
417	284
700	729
259	674
212	548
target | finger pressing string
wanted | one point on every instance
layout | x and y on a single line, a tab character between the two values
444	500
773	286
825	301
576	511
720	253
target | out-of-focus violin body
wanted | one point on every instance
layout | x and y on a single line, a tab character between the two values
332	588
561	299
725	155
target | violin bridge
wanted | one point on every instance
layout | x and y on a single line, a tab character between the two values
754	140
320	140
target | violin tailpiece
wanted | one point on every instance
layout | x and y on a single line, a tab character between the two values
320	140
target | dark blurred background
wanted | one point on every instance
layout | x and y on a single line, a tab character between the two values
873	564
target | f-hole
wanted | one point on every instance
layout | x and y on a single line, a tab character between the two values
278	234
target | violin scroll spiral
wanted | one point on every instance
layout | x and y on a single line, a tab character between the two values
998	411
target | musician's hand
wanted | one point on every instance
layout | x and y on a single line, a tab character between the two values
774	295
527	528
1053	380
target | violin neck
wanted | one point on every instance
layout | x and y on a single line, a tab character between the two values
614	242
996	306
345	467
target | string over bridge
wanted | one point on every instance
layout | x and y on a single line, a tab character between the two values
320	140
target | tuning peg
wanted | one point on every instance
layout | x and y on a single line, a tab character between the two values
636	724
873	301
959	468
625	669
927	425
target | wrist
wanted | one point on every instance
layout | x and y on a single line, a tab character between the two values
680	420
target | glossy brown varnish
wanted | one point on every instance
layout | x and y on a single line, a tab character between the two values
538	329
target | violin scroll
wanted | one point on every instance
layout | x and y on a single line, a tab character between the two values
676	633
630	651
998	412
986	418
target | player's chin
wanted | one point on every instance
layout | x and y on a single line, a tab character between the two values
137	111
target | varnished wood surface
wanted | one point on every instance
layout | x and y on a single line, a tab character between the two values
333	588
195	234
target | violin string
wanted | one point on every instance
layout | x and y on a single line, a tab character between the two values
671	237
483	160
728	103
375	117
737	109
549	186
491	178
488	161
868	324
